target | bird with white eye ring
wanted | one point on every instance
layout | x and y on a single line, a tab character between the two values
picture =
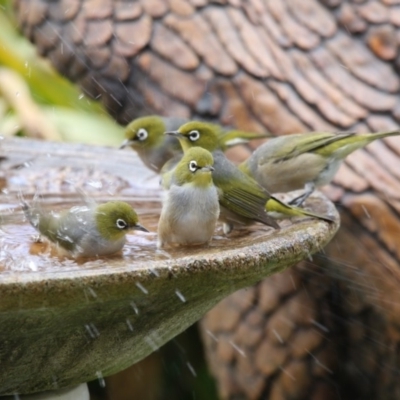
142	134
190	209
86	231
243	201
121	224
304	160
146	136
194	135
193	166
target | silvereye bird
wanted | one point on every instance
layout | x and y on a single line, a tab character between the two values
242	200
191	209
146	136
86	231
304	160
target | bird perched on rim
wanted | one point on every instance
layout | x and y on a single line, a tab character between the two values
146	136
242	200
190	210
86	231
304	160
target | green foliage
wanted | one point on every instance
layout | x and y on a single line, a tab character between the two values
36	101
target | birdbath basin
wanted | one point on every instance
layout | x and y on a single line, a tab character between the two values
65	321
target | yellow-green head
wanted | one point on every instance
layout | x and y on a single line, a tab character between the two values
115	218
197	133
195	168
145	133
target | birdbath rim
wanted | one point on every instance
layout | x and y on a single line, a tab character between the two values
98	316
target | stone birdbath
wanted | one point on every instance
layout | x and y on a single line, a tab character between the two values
64	322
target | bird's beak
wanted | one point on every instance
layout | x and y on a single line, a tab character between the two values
208	168
139	227
126	142
174	133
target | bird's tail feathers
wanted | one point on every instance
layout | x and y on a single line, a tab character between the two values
280	210
380	135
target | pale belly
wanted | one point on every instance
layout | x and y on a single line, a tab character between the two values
189	216
93	246
293	174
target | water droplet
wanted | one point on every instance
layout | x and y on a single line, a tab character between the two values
129	324
66	238
191	369
92	330
102	382
237	348
95	330
152	343
320	326
134	306
89	329
180	296
32	265
211	335
154	272
141	287
95	184
277	335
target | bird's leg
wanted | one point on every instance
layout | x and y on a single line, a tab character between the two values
309	187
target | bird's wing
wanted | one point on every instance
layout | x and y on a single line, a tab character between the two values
240	193
71	227
310	143
167	171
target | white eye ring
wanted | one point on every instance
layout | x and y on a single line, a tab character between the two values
121	224
193	166
142	134
194	135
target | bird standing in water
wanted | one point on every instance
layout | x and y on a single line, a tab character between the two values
303	160
191	209
86	231
243	201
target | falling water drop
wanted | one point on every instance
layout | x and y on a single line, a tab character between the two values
180	296
141	287
191	369
92	292
100	378
237	348
32	265
211	335
135	308
129	325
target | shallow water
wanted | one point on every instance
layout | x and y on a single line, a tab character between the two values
22	250
74	174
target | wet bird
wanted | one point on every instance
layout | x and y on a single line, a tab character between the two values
243	201
86	231
191	209
304	160
146	136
